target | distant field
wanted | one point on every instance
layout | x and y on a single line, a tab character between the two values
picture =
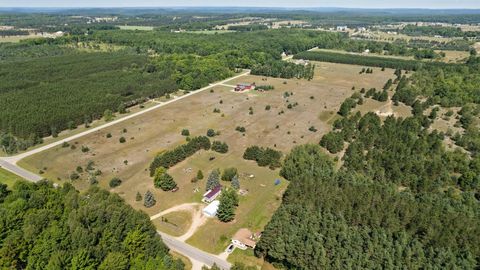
364	54
210	32
8	178
16	38
136	27
281	128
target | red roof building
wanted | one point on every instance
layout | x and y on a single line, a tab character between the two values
212	194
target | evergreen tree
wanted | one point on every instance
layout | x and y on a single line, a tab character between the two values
199	175
213	179
138	197
228	203
149	199
235	182
163	180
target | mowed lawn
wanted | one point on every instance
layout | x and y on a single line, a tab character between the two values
315	103
9	178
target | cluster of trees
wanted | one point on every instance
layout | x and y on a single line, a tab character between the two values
353	219
263	156
248	27
284	69
171	157
13	32
374	61
163	180
220	147
228	204
58	228
447	86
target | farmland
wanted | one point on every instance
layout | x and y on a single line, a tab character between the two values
317	102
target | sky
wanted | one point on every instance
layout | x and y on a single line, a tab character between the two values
432	4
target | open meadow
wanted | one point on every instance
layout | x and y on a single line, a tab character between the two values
272	123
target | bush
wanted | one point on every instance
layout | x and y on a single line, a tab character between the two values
185	132
109	135
229	173
240	129
85	149
220	147
115	182
74	176
122	140
199	175
211	133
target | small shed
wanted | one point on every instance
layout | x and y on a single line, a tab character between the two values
211	209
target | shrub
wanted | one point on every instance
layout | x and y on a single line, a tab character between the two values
122	140
211	133
199	175
109	135
229	173
240	129
115	182
185	132
85	149
220	147
74	176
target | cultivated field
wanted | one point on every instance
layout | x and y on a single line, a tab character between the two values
136	27
280	128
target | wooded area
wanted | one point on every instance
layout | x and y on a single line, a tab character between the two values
43	227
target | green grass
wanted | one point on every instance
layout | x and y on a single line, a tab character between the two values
8	178
136	27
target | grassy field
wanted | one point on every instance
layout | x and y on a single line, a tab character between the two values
8	178
67	133
136	27
175	223
317	102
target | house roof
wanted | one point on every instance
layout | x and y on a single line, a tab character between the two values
244	235
213	192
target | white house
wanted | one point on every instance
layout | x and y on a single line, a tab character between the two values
211	209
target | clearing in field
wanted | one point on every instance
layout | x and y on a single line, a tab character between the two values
269	121
136	27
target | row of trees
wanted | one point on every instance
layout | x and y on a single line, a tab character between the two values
59	228
171	157
374	61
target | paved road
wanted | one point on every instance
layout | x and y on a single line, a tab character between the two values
19	171
193	252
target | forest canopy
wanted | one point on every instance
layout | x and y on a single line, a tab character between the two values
43	227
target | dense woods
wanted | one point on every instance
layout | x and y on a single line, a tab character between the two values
43	227
41	96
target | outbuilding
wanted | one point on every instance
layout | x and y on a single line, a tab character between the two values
211	209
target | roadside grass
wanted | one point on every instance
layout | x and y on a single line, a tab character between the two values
175	223
185	260
9	178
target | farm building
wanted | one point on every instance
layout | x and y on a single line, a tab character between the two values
212	194
244	239
211	209
244	87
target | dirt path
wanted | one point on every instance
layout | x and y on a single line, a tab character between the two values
198	219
